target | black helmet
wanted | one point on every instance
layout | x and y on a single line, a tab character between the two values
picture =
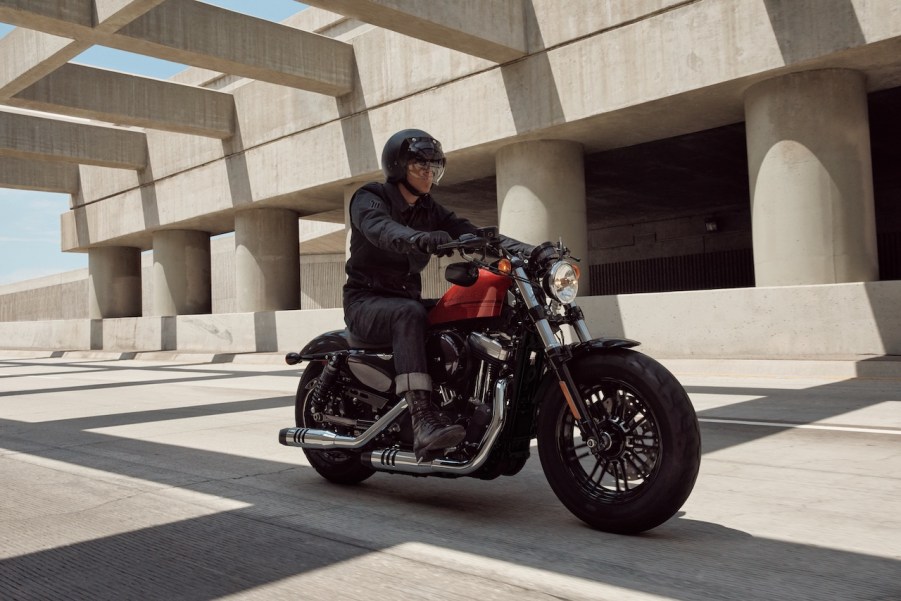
407	145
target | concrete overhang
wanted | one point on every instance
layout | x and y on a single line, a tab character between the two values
29	55
197	34
494	30
92	93
477	111
33	137
43	176
72	16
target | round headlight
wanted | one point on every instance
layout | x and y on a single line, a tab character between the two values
562	282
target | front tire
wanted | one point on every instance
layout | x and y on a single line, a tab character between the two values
341	467
648	459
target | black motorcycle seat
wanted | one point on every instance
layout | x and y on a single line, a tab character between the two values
355	343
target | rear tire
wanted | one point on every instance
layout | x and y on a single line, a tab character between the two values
340	467
650	453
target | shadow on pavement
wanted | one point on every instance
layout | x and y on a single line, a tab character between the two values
294	523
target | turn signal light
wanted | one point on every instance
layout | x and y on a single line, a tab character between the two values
505	266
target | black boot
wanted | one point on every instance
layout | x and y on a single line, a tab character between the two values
431	433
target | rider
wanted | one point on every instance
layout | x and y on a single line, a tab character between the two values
395	227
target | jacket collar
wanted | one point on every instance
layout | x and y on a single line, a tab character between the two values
399	204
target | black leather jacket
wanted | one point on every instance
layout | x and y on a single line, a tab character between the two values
383	258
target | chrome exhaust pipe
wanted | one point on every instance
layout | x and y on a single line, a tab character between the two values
311	438
395	460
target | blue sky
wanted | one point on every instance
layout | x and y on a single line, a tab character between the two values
29	221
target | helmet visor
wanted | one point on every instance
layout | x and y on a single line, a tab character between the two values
425	154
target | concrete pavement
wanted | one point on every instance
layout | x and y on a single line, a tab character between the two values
161	478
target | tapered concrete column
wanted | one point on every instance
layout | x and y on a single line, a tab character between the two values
181	273
813	220
541	196
267	260
114	282
349	191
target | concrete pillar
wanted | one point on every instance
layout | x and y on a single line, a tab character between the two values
348	194
181	273
114	282
541	196
813	220
267	260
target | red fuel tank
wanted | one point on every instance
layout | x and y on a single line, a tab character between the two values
485	298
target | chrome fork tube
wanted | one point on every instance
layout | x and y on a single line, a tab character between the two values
528	295
581	330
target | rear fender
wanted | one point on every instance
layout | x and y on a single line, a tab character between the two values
320	347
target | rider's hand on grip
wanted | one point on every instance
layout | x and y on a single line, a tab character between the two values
428	242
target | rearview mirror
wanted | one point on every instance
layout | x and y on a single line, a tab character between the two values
461	274
489	233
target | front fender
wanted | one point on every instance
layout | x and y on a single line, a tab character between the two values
575	351
600	345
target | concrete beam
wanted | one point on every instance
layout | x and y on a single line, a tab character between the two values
214	38
29	55
42	176
83	91
202	35
68	17
494	30
31	137
111	15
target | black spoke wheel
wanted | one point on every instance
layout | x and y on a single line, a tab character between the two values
339	466
640	468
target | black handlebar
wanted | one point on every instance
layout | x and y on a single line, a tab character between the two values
465	242
483	239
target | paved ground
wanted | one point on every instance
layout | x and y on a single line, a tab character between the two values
164	480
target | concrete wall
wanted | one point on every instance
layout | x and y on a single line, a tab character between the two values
64	296
670	237
836	320
830	321
60	296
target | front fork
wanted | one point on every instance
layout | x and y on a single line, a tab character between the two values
559	354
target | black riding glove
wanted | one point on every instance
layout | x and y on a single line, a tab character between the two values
428	242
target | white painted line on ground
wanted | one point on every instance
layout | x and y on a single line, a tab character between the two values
800	426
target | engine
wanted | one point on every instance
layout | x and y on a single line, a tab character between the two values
463	367
448	358
356	390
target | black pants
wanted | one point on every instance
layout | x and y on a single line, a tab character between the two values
400	322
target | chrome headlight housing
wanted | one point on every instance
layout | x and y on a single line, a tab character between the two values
562	282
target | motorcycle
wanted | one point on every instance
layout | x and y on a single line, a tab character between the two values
617	436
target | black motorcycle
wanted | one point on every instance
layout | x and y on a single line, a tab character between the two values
618	438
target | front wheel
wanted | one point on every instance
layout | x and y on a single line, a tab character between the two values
646	462
341	467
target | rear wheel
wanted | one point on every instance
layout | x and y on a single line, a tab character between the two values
341	467
646	462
